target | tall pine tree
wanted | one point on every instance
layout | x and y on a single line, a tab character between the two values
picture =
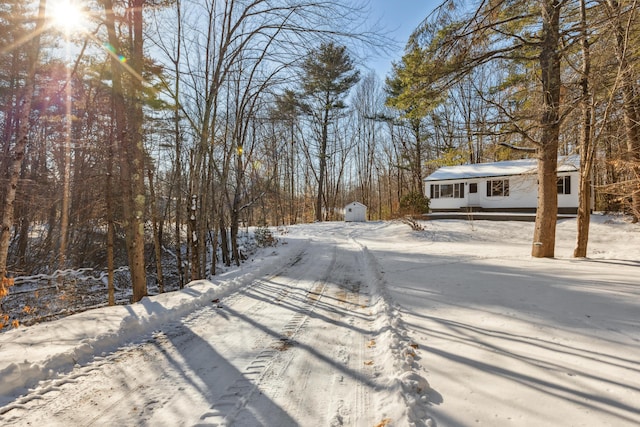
329	74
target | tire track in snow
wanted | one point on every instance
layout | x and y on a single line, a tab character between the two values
329	352
237	396
355	351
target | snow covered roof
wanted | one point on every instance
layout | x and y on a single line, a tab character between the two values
506	168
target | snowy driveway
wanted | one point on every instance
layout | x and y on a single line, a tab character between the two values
344	325
295	347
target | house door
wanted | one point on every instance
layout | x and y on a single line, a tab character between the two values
474	200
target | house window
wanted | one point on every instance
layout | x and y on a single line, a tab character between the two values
446	190
458	191
564	185
451	191
498	188
473	187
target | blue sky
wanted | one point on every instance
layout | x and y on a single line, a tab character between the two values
400	18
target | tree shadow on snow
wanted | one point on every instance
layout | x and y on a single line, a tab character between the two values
544	325
231	393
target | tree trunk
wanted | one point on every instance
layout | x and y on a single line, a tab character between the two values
234	228
178	234
177	182
23	240
586	146
157	243
136	220
192	238
235	207
66	185
200	167
214	252
544	237
224	243
21	142
322	170
416	168
110	222
292	203
129	137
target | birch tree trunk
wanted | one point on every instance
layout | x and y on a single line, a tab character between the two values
21	141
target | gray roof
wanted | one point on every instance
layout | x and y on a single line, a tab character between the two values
357	203
506	168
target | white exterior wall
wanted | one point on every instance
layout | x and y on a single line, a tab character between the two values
571	200
523	194
448	203
355	212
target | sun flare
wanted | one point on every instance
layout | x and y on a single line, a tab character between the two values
67	15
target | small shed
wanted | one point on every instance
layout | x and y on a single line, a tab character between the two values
355	212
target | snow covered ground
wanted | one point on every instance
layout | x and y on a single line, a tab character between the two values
357	325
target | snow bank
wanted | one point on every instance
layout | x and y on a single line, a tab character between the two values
399	354
53	348
78	338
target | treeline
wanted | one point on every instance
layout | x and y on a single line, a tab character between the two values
152	134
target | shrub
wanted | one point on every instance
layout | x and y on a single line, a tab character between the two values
414	203
264	237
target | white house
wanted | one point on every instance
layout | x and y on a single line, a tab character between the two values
509	186
355	212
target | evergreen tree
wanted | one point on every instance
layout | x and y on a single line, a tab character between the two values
329	74
128	117
415	99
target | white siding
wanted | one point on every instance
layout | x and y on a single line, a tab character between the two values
571	200
355	212
523	193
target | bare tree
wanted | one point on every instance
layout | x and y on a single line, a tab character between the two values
285	114
218	37
368	103
170	43
33	54
622	19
